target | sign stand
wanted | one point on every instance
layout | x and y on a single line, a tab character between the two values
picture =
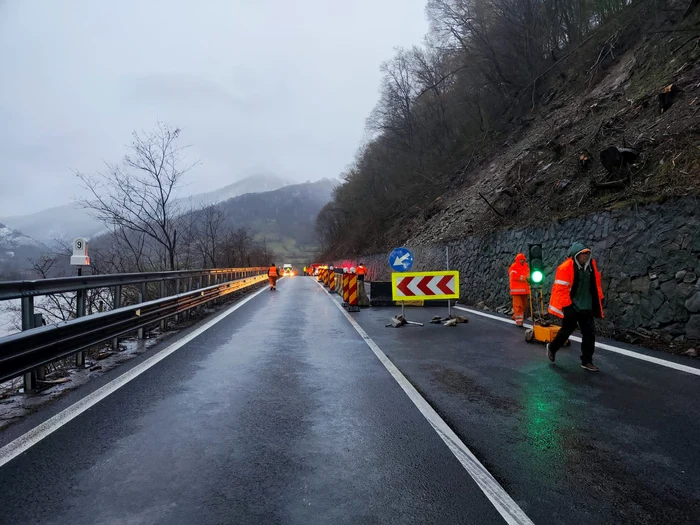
443	284
447	267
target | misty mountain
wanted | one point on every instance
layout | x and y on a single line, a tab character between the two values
253	184
284	219
71	220
62	222
16	248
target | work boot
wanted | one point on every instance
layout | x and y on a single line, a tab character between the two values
590	367
519	325
550	354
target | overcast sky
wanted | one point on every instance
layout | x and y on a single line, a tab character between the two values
281	86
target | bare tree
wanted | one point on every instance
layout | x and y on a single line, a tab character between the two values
209	233
137	197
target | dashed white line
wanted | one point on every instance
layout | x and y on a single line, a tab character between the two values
504	504
31	438
602	346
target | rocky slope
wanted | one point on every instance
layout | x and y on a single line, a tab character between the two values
604	93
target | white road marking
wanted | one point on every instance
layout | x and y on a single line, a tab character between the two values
507	508
602	346
31	438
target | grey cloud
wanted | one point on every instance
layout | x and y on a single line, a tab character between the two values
263	85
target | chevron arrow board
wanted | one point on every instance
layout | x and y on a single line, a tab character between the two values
425	285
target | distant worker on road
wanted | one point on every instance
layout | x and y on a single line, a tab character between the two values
272	275
519	273
361	272
577	298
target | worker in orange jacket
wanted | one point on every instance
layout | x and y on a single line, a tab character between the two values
361	271
272	275
577	298
519	273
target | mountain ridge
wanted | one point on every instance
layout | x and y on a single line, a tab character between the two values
72	220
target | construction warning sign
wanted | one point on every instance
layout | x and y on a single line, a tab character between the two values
425	285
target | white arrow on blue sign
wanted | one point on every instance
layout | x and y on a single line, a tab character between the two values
401	260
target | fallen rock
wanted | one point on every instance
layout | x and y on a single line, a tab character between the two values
668	96
680	275
615	159
397	321
584	161
451	322
691	352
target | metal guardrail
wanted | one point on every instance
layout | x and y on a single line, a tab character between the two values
28	351
18	289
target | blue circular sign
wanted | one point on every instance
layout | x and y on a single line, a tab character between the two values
401	260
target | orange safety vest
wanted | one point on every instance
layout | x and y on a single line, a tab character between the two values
361	270
518	274
272	272
564	282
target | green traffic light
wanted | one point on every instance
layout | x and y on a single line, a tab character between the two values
536	276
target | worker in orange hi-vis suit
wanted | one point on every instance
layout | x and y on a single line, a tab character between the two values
272	274
519	273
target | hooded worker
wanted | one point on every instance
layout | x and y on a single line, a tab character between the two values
272	275
519	274
577	298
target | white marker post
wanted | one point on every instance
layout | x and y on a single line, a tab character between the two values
80	258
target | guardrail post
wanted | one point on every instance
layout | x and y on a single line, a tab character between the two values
142	298
117	304
189	289
80	312
162	294
177	292
40	370
28	324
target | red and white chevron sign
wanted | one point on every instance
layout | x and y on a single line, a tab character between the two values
425	285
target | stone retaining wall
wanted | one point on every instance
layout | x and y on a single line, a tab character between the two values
649	256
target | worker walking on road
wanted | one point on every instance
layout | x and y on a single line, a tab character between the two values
519	273
272	275
577	298
361	272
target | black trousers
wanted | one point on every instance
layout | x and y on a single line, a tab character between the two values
586	323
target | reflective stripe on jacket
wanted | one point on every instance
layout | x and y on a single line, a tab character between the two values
565	282
518	274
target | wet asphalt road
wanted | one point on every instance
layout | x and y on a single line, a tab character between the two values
620	446
279	413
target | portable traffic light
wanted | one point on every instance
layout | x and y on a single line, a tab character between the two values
536	264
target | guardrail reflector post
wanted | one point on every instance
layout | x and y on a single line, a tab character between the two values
117	304
80	312
162	294
142	298
177	292
28	324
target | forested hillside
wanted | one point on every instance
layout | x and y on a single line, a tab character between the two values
520	112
